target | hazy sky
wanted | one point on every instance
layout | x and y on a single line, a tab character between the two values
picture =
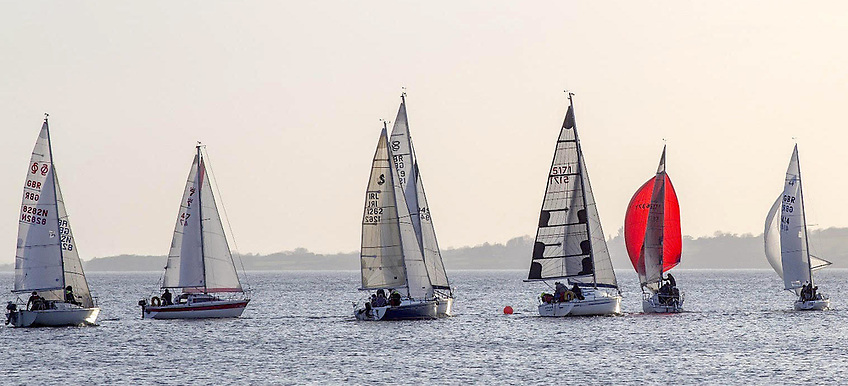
288	97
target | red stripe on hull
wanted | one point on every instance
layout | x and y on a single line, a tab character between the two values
203	308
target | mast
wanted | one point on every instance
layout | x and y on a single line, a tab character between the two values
200	212
582	186
662	223
804	217
55	199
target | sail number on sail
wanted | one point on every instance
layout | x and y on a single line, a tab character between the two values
560	173
399	165
373	211
67	239
787	207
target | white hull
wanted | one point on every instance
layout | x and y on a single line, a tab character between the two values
64	316
444	307
210	309
594	303
652	305
812	305
407	310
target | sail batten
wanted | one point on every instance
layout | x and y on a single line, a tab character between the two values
569	239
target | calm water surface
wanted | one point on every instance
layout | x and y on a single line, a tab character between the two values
299	328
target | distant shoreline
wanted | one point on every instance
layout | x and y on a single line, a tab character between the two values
718	252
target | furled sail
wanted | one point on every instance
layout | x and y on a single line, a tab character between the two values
406	167
569	240
200	259
652	228
46	259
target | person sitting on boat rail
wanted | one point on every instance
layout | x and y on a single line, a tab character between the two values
69	295
380	300
559	291
578	293
806	292
394	299
35	302
167	298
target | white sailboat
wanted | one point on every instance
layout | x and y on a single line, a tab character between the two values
47	263
406	166
786	244
200	262
570	242
654	242
391	257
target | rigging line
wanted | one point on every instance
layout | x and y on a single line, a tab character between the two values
227	217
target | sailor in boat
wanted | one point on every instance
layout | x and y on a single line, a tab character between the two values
559	291
394	299
69	296
380	299
668	293
167	298
35	302
578	293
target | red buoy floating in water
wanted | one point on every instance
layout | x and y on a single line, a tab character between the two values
508	310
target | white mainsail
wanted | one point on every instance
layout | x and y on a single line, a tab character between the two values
570	240
200	257
785	235
406	167
391	255
47	259
652	248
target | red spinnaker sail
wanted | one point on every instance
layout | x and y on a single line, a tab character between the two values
636	220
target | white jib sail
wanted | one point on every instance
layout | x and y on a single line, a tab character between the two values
793	241
200	262
221	275
569	239
74	275
652	248
406	166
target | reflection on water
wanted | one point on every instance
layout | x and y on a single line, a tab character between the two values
299	328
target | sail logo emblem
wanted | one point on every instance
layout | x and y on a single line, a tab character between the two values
395	145
382	179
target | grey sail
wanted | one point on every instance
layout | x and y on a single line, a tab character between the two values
381	256
406	167
569	240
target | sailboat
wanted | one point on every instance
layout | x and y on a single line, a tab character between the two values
570	242
653	239
391	257
786	244
200	262
406	166
47	263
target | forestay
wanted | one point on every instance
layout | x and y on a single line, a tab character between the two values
46	259
200	259
569	240
406	167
